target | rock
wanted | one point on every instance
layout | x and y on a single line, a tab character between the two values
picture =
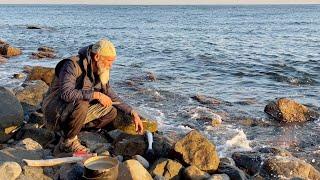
33	173
33	27
130	146
115	134
46	49
205	114
275	151
120	158
216	121
162	146
157	177
219	177
94	141
42	73
41	54
288	167
287	110
250	161
31	94
133	170
40	135
233	172
207	100
11	114
3	60
27	69
193	173
142	161
124	123
167	168
44	52
194	149
9	170
29	144
3	41
18	76
18	153
9	51
151	76
227	161
70	172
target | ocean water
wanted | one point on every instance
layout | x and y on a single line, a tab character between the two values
243	56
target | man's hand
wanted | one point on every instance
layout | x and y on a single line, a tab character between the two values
103	99
137	122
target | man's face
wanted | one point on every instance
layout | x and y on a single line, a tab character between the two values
104	62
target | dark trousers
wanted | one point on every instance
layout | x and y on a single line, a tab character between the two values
73	124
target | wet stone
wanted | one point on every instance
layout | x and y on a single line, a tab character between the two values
250	161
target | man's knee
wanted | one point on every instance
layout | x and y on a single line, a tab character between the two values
113	113
107	119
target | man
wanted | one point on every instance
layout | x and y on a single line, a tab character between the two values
81	95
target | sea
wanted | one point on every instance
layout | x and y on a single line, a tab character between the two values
242	56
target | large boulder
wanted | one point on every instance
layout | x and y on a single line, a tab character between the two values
193	173
11	113
8	51
94	141
287	168
31	94
42	73
9	170
167	168
133	170
194	149
130	146
287	110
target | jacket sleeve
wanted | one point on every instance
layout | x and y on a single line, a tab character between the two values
115	98
67	80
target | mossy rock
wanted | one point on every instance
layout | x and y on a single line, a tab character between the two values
124	123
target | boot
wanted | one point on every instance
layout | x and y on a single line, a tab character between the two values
70	145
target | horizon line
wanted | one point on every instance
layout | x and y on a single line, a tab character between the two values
186	4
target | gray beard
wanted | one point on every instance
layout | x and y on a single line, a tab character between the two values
104	75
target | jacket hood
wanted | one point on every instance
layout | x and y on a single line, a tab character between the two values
84	53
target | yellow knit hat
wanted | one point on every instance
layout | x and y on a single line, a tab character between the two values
104	48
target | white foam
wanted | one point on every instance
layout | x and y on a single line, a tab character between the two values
228	139
239	142
202	112
152	113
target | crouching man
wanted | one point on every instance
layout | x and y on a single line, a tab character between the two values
81	94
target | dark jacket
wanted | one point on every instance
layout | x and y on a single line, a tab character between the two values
75	81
